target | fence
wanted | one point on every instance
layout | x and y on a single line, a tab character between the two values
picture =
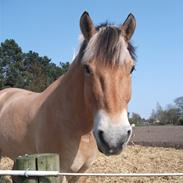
44	168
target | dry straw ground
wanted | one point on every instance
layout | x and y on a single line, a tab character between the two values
134	159
140	159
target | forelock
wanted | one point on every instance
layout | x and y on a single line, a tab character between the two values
107	45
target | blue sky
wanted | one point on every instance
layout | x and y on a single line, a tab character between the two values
51	28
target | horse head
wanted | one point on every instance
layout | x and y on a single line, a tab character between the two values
108	59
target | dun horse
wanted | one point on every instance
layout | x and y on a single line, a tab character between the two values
83	110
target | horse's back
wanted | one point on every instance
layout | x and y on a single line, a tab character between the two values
15	108
10	93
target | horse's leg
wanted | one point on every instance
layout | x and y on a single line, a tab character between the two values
79	179
64	180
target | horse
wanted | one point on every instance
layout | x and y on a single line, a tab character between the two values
84	110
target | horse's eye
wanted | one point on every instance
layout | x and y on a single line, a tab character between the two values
132	69
87	69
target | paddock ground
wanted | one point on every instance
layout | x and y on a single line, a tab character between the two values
140	159
134	159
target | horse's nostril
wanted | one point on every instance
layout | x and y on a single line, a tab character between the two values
129	132
100	134
102	140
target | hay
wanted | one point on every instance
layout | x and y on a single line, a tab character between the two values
140	159
6	164
134	159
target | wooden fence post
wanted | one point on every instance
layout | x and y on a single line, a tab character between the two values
37	162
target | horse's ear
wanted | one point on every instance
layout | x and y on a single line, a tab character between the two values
128	26
86	25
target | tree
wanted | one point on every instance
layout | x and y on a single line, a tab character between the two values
37	71
168	116
10	63
180	120
157	115
173	115
179	102
64	66
26	70
135	119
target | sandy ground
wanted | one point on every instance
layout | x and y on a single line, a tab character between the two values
134	159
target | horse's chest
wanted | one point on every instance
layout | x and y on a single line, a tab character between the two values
85	156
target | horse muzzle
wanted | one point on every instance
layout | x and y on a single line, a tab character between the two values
111	136
111	145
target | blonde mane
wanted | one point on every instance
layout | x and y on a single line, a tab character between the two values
107	45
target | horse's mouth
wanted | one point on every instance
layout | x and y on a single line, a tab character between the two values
110	151
104	148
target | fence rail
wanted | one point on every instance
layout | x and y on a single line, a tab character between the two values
45	168
30	173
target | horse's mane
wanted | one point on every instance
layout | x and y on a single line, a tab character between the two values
108	45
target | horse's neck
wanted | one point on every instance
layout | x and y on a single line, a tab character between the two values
64	99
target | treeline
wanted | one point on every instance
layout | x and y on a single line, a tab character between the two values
172	114
26	70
